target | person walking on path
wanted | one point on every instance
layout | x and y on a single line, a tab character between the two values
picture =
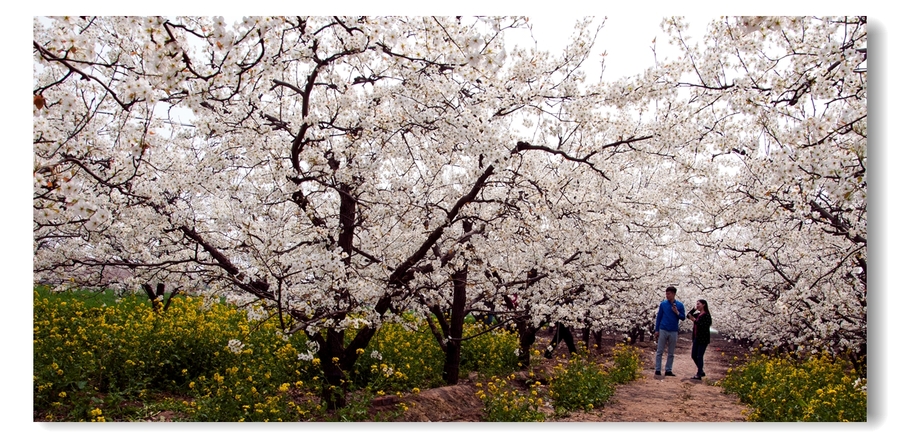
562	333
700	336
670	312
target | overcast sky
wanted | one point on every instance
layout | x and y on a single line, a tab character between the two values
625	38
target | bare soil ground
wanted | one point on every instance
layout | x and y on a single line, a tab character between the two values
649	399
662	398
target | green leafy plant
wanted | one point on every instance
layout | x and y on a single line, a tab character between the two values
788	388
490	354
627	364
579	385
503	403
400	356
116	357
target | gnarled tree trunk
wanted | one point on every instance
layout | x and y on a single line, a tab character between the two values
457	318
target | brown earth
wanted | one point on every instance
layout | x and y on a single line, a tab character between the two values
649	399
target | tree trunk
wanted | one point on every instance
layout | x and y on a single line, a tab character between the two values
333	353
527	336
457	318
334	389
157	298
636	334
348	222
859	360
331	346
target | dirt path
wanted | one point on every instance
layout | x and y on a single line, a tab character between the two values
648	399
661	398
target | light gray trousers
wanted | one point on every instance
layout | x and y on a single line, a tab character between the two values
670	338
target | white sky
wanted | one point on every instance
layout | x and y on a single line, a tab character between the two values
625	39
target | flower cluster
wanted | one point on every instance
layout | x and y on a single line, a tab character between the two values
235	346
579	384
627	364
818	388
503	403
89	354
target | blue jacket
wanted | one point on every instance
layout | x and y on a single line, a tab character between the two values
666	318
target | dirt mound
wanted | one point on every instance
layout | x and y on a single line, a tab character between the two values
449	403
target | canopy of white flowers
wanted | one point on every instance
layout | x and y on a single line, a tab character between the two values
342	170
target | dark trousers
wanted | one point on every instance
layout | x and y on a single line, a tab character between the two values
697	352
562	333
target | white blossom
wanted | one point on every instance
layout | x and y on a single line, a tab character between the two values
235	346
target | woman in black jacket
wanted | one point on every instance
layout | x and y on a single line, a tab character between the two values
700	337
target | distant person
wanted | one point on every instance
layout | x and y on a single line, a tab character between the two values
562	333
671	311
700	336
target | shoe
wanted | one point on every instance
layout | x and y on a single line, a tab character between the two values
696	378
701	374
669	373
657	372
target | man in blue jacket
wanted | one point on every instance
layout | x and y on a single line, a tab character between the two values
671	311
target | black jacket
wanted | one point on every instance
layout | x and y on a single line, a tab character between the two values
701	329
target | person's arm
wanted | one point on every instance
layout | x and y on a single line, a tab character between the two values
680	308
659	314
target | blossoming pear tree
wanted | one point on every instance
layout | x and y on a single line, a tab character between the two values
315	165
775	177
340	171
